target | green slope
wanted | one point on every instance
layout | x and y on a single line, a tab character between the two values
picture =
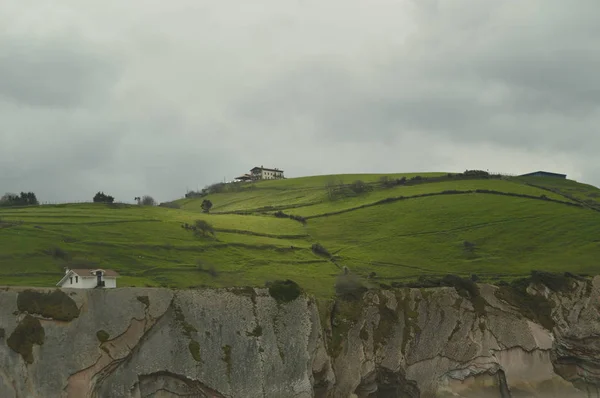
495	228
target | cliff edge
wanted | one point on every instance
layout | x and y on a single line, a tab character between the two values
536	340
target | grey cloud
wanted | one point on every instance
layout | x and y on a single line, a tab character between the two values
467	74
52	71
149	99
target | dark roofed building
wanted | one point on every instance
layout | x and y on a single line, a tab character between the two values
543	174
245	177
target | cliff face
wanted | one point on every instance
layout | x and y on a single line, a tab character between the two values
495	342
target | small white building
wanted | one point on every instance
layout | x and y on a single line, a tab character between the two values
88	279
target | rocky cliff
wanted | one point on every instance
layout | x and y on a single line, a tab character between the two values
530	340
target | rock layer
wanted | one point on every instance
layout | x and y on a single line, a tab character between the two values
142	342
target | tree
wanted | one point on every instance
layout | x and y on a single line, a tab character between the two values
28	198
24	199
147	200
206	205
100	197
8	199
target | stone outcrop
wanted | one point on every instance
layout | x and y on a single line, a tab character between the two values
539	341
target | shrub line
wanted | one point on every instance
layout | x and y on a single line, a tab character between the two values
450	192
244	232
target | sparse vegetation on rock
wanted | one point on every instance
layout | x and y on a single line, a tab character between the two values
227	358
194	348
284	291
102	336
144	300
27	333
56	305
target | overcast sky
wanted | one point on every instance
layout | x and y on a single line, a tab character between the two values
150	97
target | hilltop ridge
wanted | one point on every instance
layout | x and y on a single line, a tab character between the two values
386	229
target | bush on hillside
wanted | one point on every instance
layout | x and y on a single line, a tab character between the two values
58	253
465	287
349	287
146	200
100	197
359	187
336	190
284	291
386	182
476	173
170	205
195	194
210	269
221	187
280	214
298	218
469	246
203	228
318	249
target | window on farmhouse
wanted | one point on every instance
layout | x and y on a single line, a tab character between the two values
71	278
76	279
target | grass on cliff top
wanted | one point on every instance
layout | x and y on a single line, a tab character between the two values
487	234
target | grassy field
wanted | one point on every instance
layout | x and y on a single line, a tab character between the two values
495	228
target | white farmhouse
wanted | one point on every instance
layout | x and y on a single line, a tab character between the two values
88	279
263	173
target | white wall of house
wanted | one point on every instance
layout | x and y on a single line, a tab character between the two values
110	282
264	174
75	281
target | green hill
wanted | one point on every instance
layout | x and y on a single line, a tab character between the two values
385	227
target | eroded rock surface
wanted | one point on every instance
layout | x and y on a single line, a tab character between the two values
142	342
